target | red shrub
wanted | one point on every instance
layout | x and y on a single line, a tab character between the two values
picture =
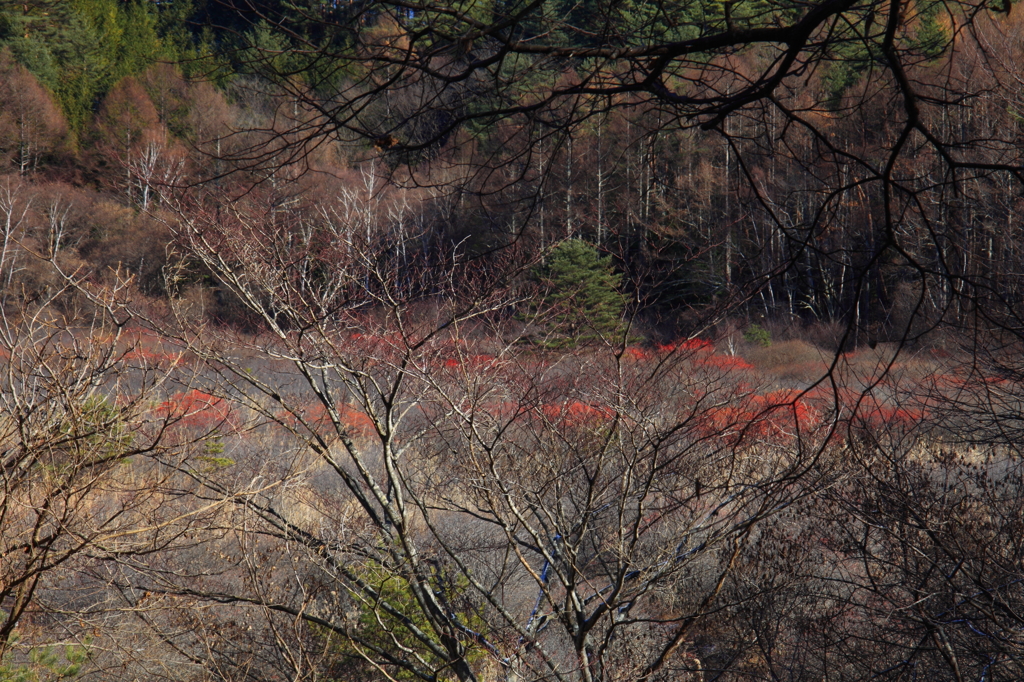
315	416
782	414
199	411
575	414
636	353
688	345
776	417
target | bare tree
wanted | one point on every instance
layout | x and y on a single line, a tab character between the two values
468	511
86	473
31	126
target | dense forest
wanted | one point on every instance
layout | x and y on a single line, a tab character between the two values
114	101
511	340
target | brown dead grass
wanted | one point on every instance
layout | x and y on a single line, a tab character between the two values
791	361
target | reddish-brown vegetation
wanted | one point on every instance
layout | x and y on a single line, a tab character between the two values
199	412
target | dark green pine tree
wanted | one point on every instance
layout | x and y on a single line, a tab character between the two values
581	302
79	49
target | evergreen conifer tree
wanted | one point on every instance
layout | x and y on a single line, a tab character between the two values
582	302
79	49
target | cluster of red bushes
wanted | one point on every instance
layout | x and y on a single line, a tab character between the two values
314	416
199	412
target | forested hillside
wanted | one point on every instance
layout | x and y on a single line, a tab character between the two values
597	341
120	100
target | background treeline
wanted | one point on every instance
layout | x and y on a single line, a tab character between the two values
111	102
